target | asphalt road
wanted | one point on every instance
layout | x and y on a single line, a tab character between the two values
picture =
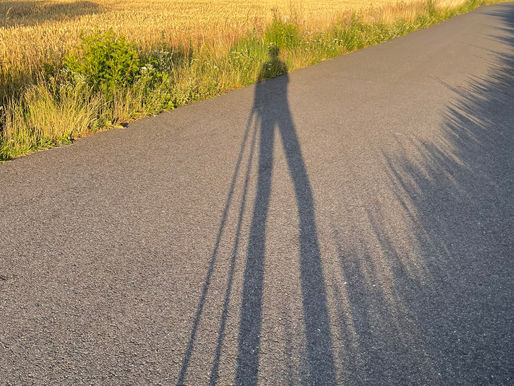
348	223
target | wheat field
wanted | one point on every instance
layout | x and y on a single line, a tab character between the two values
188	50
36	32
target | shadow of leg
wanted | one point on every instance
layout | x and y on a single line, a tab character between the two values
251	309
315	309
234	255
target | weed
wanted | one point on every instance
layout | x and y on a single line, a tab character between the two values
105	62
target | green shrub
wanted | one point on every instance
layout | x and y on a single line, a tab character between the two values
105	62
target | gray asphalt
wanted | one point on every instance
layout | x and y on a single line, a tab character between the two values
349	223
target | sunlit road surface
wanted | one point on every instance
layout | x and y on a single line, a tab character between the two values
348	223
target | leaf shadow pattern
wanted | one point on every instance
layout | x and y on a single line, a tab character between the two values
450	322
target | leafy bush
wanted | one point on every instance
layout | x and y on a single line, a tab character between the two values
105	62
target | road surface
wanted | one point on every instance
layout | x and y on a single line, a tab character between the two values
347	223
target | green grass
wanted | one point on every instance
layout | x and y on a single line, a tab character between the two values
108	81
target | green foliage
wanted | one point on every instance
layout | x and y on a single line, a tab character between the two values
110	65
105	62
50	113
469	6
282	34
245	58
274	66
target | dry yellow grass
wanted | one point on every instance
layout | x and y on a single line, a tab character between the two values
37	32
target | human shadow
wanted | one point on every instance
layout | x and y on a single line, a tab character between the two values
29	13
271	108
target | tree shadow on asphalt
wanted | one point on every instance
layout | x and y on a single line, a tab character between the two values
443	313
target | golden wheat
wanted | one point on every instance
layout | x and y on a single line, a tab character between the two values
37	32
42	108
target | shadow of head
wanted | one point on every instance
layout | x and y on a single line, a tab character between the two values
274	66
29	13
273	52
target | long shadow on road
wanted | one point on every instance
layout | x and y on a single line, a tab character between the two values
272	116
436	309
270	112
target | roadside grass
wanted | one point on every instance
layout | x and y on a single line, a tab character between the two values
107	80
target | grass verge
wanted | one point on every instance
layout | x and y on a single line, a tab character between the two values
107	81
